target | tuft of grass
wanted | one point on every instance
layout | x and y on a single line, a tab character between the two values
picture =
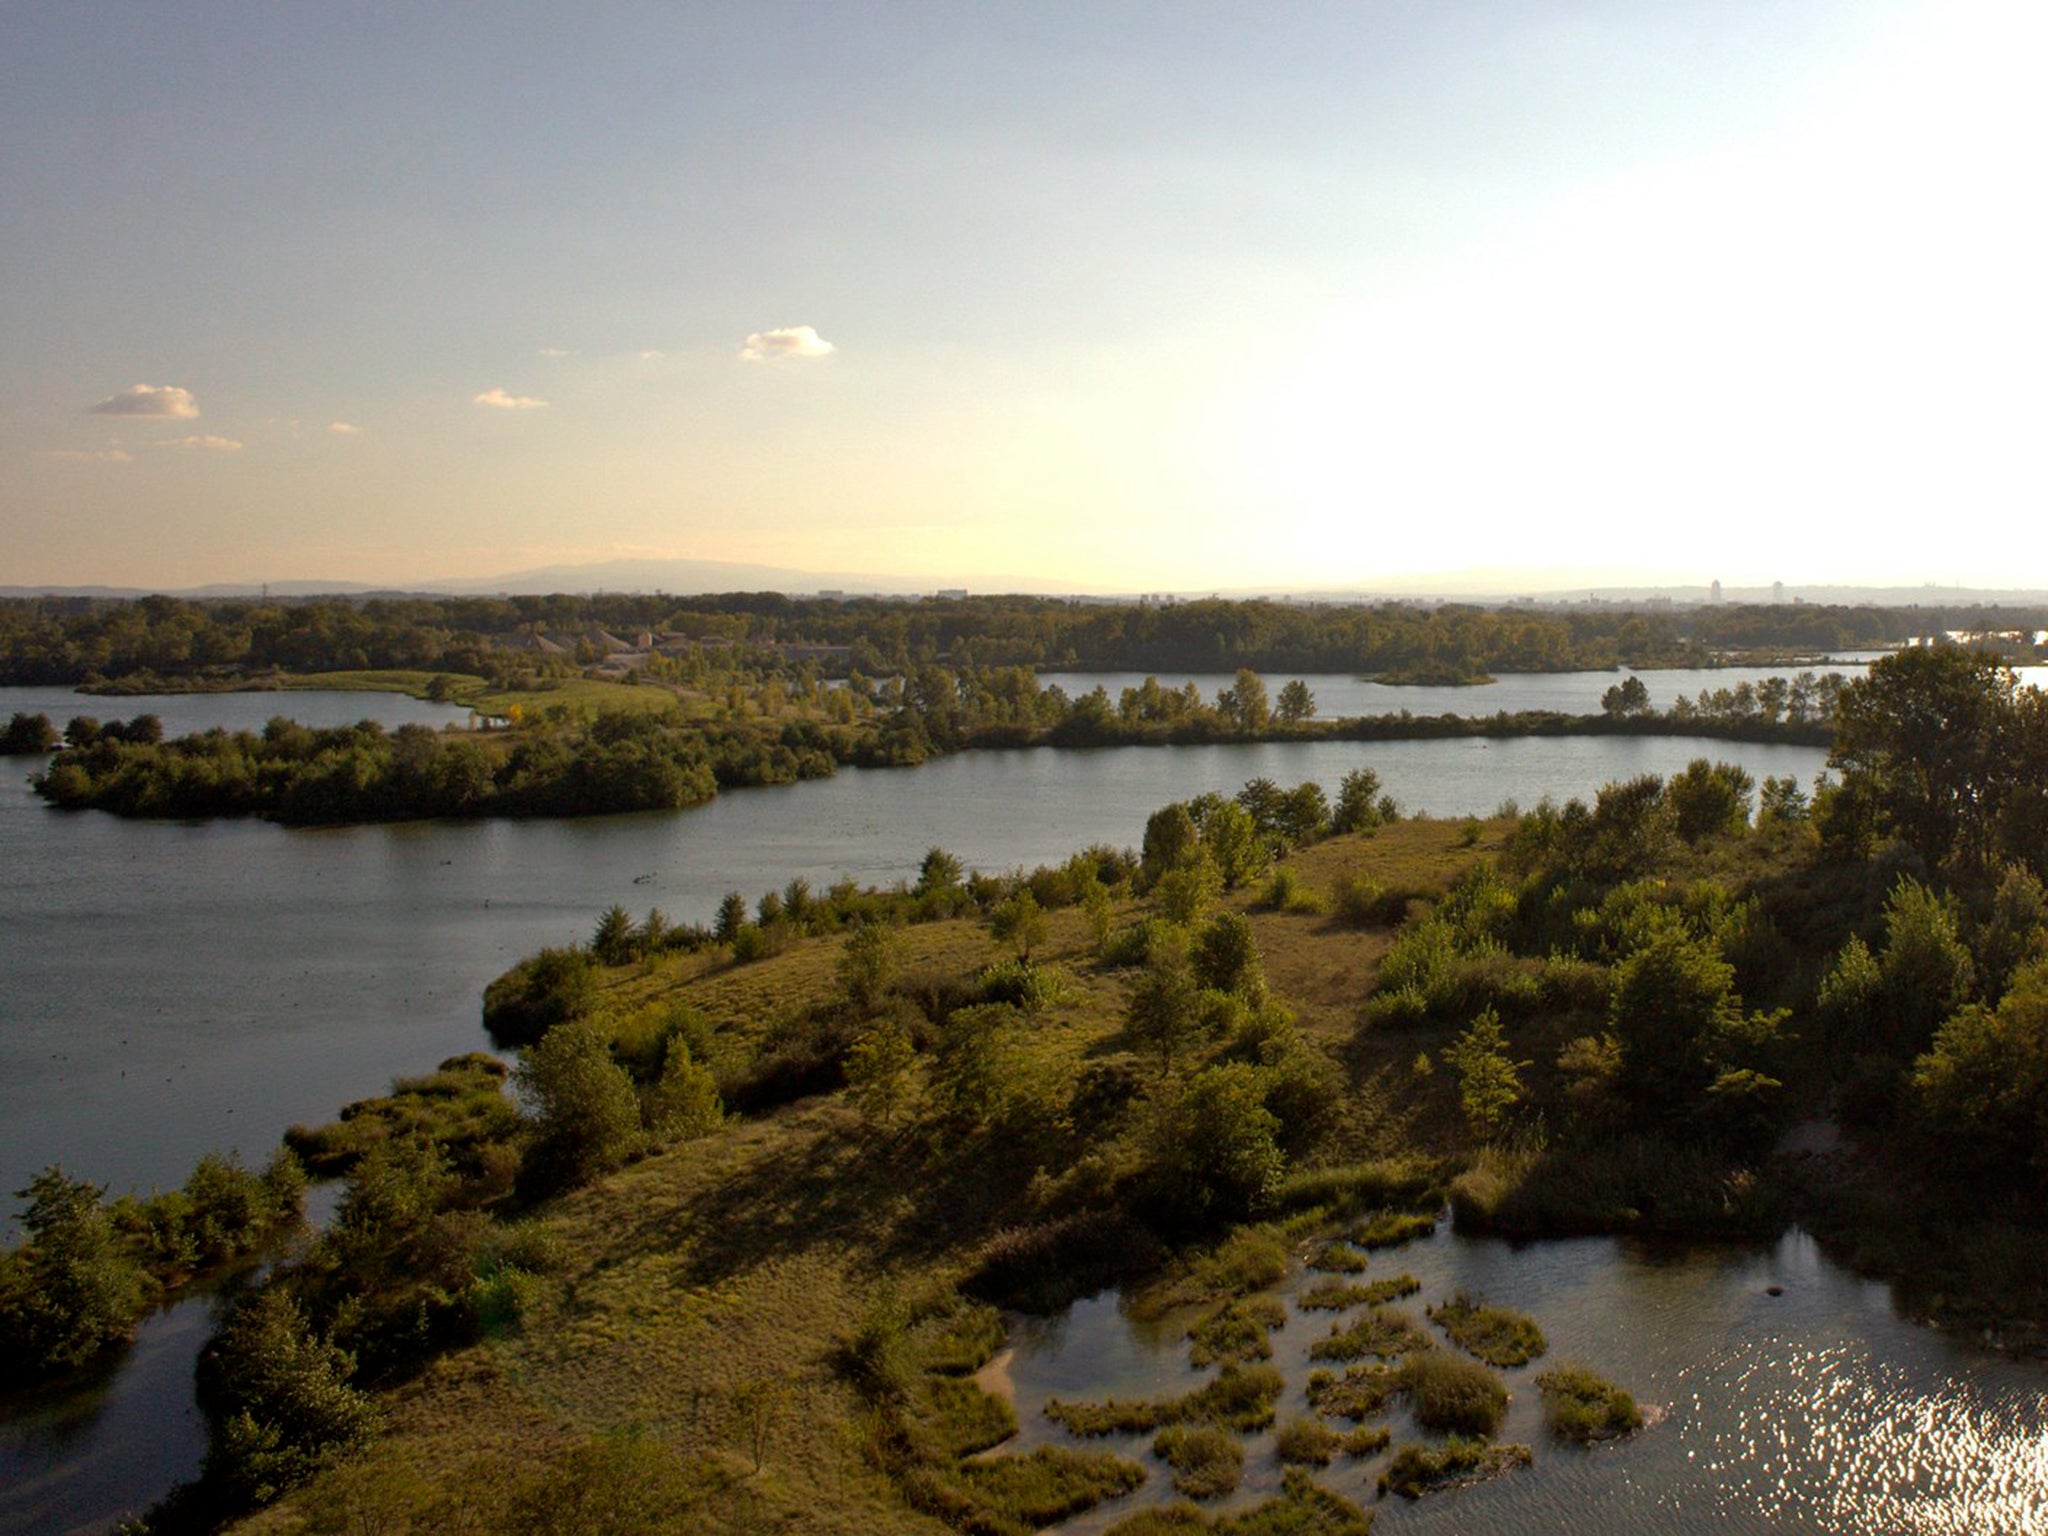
1359	1393
1237	1331
1585	1407
961	1341
1389	1229
1362	1442
1166	1520
961	1419
1420	1469
1341	1295
1452	1395
1302	1508
1395	1183
1498	1335
1306	1442
1382	1332
1240	1398
1015	1495
1249	1260
1337	1257
461	1106
1207	1463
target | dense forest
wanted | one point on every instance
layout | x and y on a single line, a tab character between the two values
157	640
733	1260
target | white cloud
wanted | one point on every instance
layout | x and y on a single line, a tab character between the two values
498	400
150	400
788	341
344	429
91	455
206	443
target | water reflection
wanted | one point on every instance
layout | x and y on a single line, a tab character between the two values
1813	1410
76	1459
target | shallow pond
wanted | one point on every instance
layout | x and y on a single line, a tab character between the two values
1814	1410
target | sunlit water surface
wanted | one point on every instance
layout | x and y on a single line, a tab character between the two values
1816	1410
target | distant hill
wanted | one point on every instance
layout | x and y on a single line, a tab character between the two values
688	577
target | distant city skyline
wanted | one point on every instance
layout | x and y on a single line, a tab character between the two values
1116	298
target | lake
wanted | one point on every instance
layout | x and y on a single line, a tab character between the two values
168	989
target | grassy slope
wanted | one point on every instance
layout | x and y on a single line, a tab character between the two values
743	1258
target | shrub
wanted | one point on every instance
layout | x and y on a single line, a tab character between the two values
1358	901
586	1115
285	1406
1452	1395
541	991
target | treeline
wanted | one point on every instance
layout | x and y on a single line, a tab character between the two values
564	764
170	640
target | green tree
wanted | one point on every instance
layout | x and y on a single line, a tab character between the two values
585	1114
731	918
1936	735
1925	970
1226	957
683	1103
1489	1079
1244	703
1020	923
28	735
878	1066
1171	840
1980	1093
1296	704
1626	699
940	871
868	962
1234	845
1709	800
287	1406
70	1292
613	942
1213	1152
1358	801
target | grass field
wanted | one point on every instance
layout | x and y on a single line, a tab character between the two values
709	1291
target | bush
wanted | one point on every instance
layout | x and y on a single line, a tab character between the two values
585	1113
283	1404
1452	1395
541	991
69	1293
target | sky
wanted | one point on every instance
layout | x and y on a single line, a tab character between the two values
1123	296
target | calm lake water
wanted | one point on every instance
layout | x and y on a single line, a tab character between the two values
168	989
1818	1410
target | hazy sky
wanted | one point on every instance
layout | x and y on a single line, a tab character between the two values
1137	296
